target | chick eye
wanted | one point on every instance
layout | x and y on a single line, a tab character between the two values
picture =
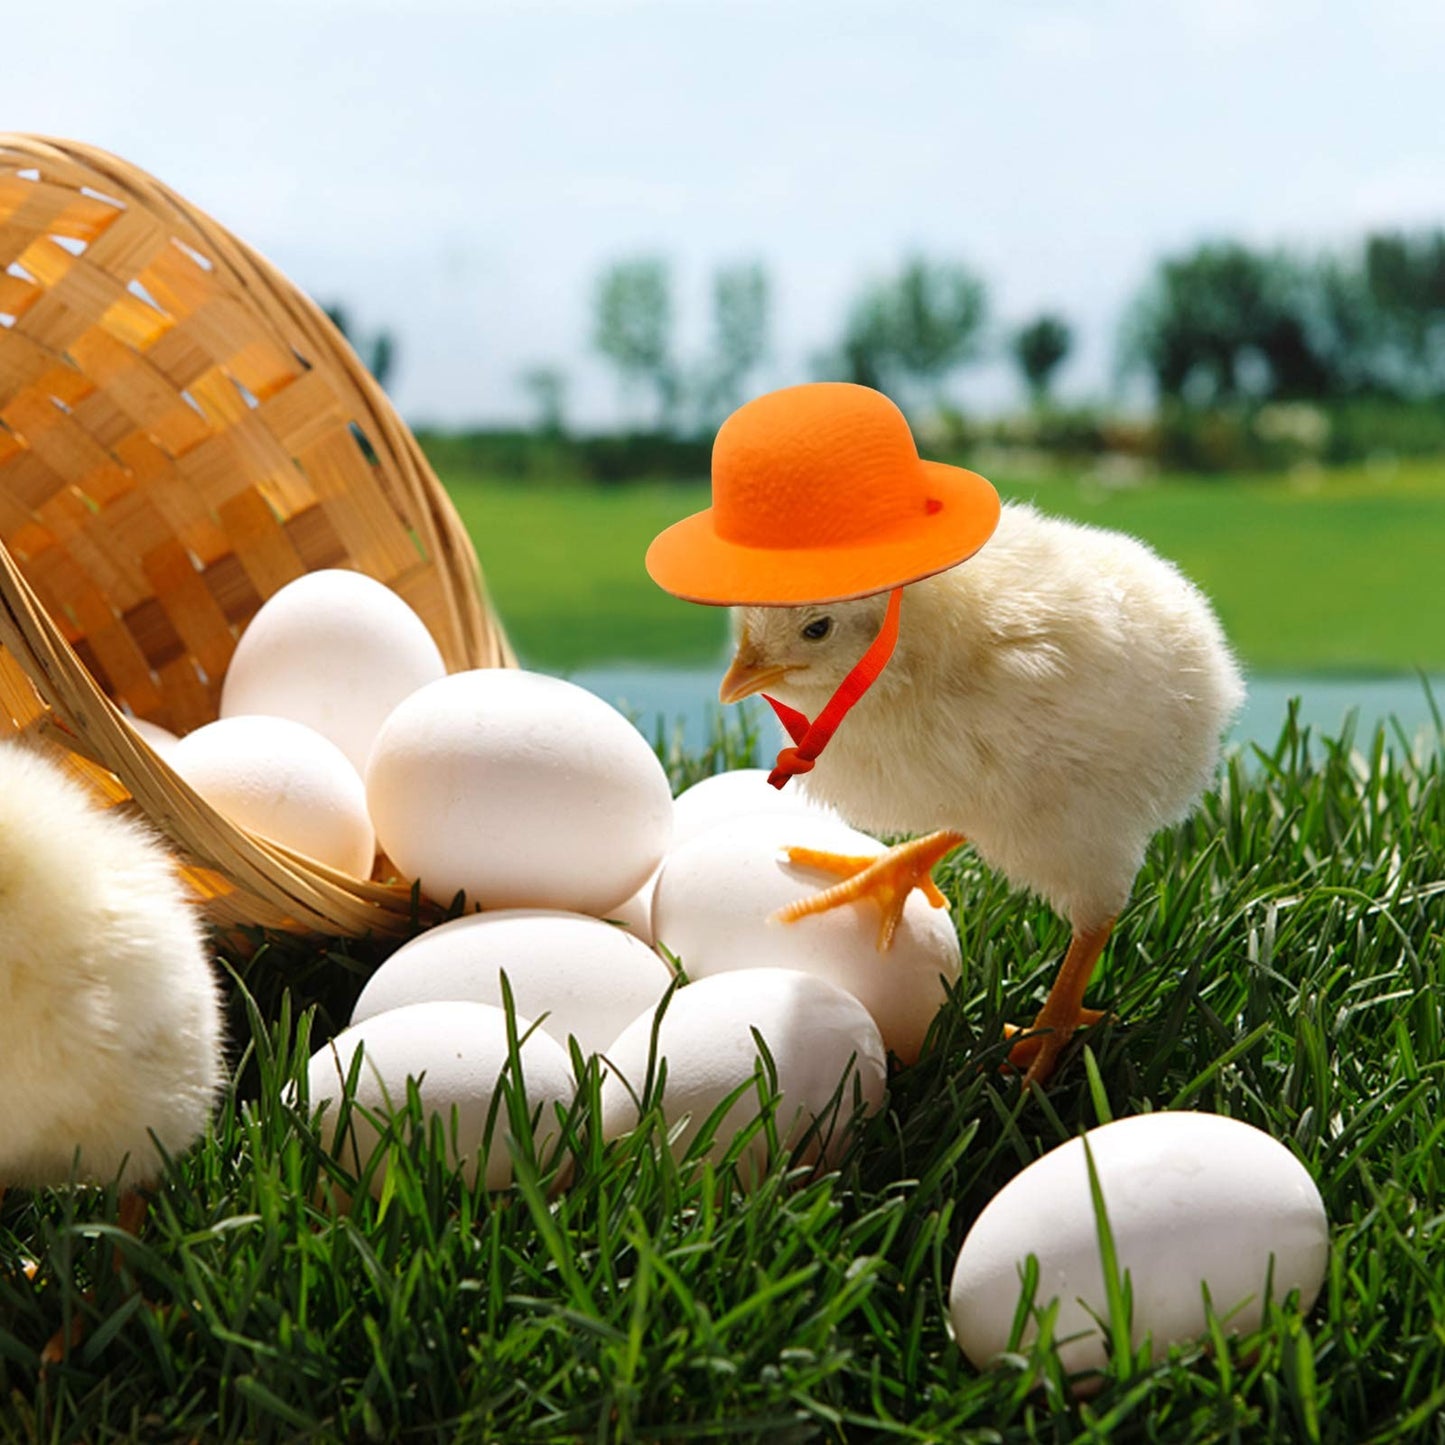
818	629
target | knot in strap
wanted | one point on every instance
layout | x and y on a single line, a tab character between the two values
791	763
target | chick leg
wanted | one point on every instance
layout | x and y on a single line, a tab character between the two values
887	879
1063	1010
130	1216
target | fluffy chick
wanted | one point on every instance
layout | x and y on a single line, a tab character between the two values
1057	699
110	1018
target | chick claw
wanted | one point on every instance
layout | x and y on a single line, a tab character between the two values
887	878
63	1342
1037	1052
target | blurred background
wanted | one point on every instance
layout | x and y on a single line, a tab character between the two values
1173	268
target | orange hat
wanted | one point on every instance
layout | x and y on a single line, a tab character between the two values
819	495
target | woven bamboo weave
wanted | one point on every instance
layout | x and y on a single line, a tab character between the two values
182	432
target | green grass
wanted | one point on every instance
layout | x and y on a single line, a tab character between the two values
1339	574
1282	961
564	568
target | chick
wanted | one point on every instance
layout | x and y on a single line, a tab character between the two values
110	1018
1055	700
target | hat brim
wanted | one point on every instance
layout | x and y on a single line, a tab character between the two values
691	561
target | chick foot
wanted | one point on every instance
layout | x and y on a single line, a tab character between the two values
63	1341
1063	1011
130	1216
1043	1041
886	878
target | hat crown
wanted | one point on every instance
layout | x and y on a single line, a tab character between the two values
817	465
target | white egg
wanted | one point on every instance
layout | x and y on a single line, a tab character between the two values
336	650
635	913
1191	1199
714	908
574	975
735	794
277	778
161	741
818	1036
458	1052
717	799
519	790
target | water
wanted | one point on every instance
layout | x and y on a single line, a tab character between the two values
688	695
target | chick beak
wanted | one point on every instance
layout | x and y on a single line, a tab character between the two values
748	674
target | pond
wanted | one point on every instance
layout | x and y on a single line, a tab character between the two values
688	696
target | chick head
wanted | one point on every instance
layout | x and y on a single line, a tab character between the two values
800	654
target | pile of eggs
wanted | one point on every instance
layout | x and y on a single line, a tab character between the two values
828	1006
342	737
341	734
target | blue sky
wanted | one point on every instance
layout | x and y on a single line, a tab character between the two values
459	172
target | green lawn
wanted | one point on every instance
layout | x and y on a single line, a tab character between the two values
1282	961
564	567
1344	575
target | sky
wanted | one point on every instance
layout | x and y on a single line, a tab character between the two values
459	171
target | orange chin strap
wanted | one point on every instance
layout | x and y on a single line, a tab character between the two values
810	738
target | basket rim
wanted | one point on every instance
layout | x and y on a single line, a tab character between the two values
311	896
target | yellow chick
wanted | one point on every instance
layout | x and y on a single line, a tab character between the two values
1056	700
110	1018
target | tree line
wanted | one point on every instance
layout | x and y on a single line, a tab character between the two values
1225	323
1219	325
1255	357
906	334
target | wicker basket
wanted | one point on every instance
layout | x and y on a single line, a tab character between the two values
182	432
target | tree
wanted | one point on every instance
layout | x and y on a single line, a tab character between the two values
864	354
939	311
632	327
1404	277
1225	323
1350	323
912	331
383	357
1038	348
1197	315
740	302
547	386
376	353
